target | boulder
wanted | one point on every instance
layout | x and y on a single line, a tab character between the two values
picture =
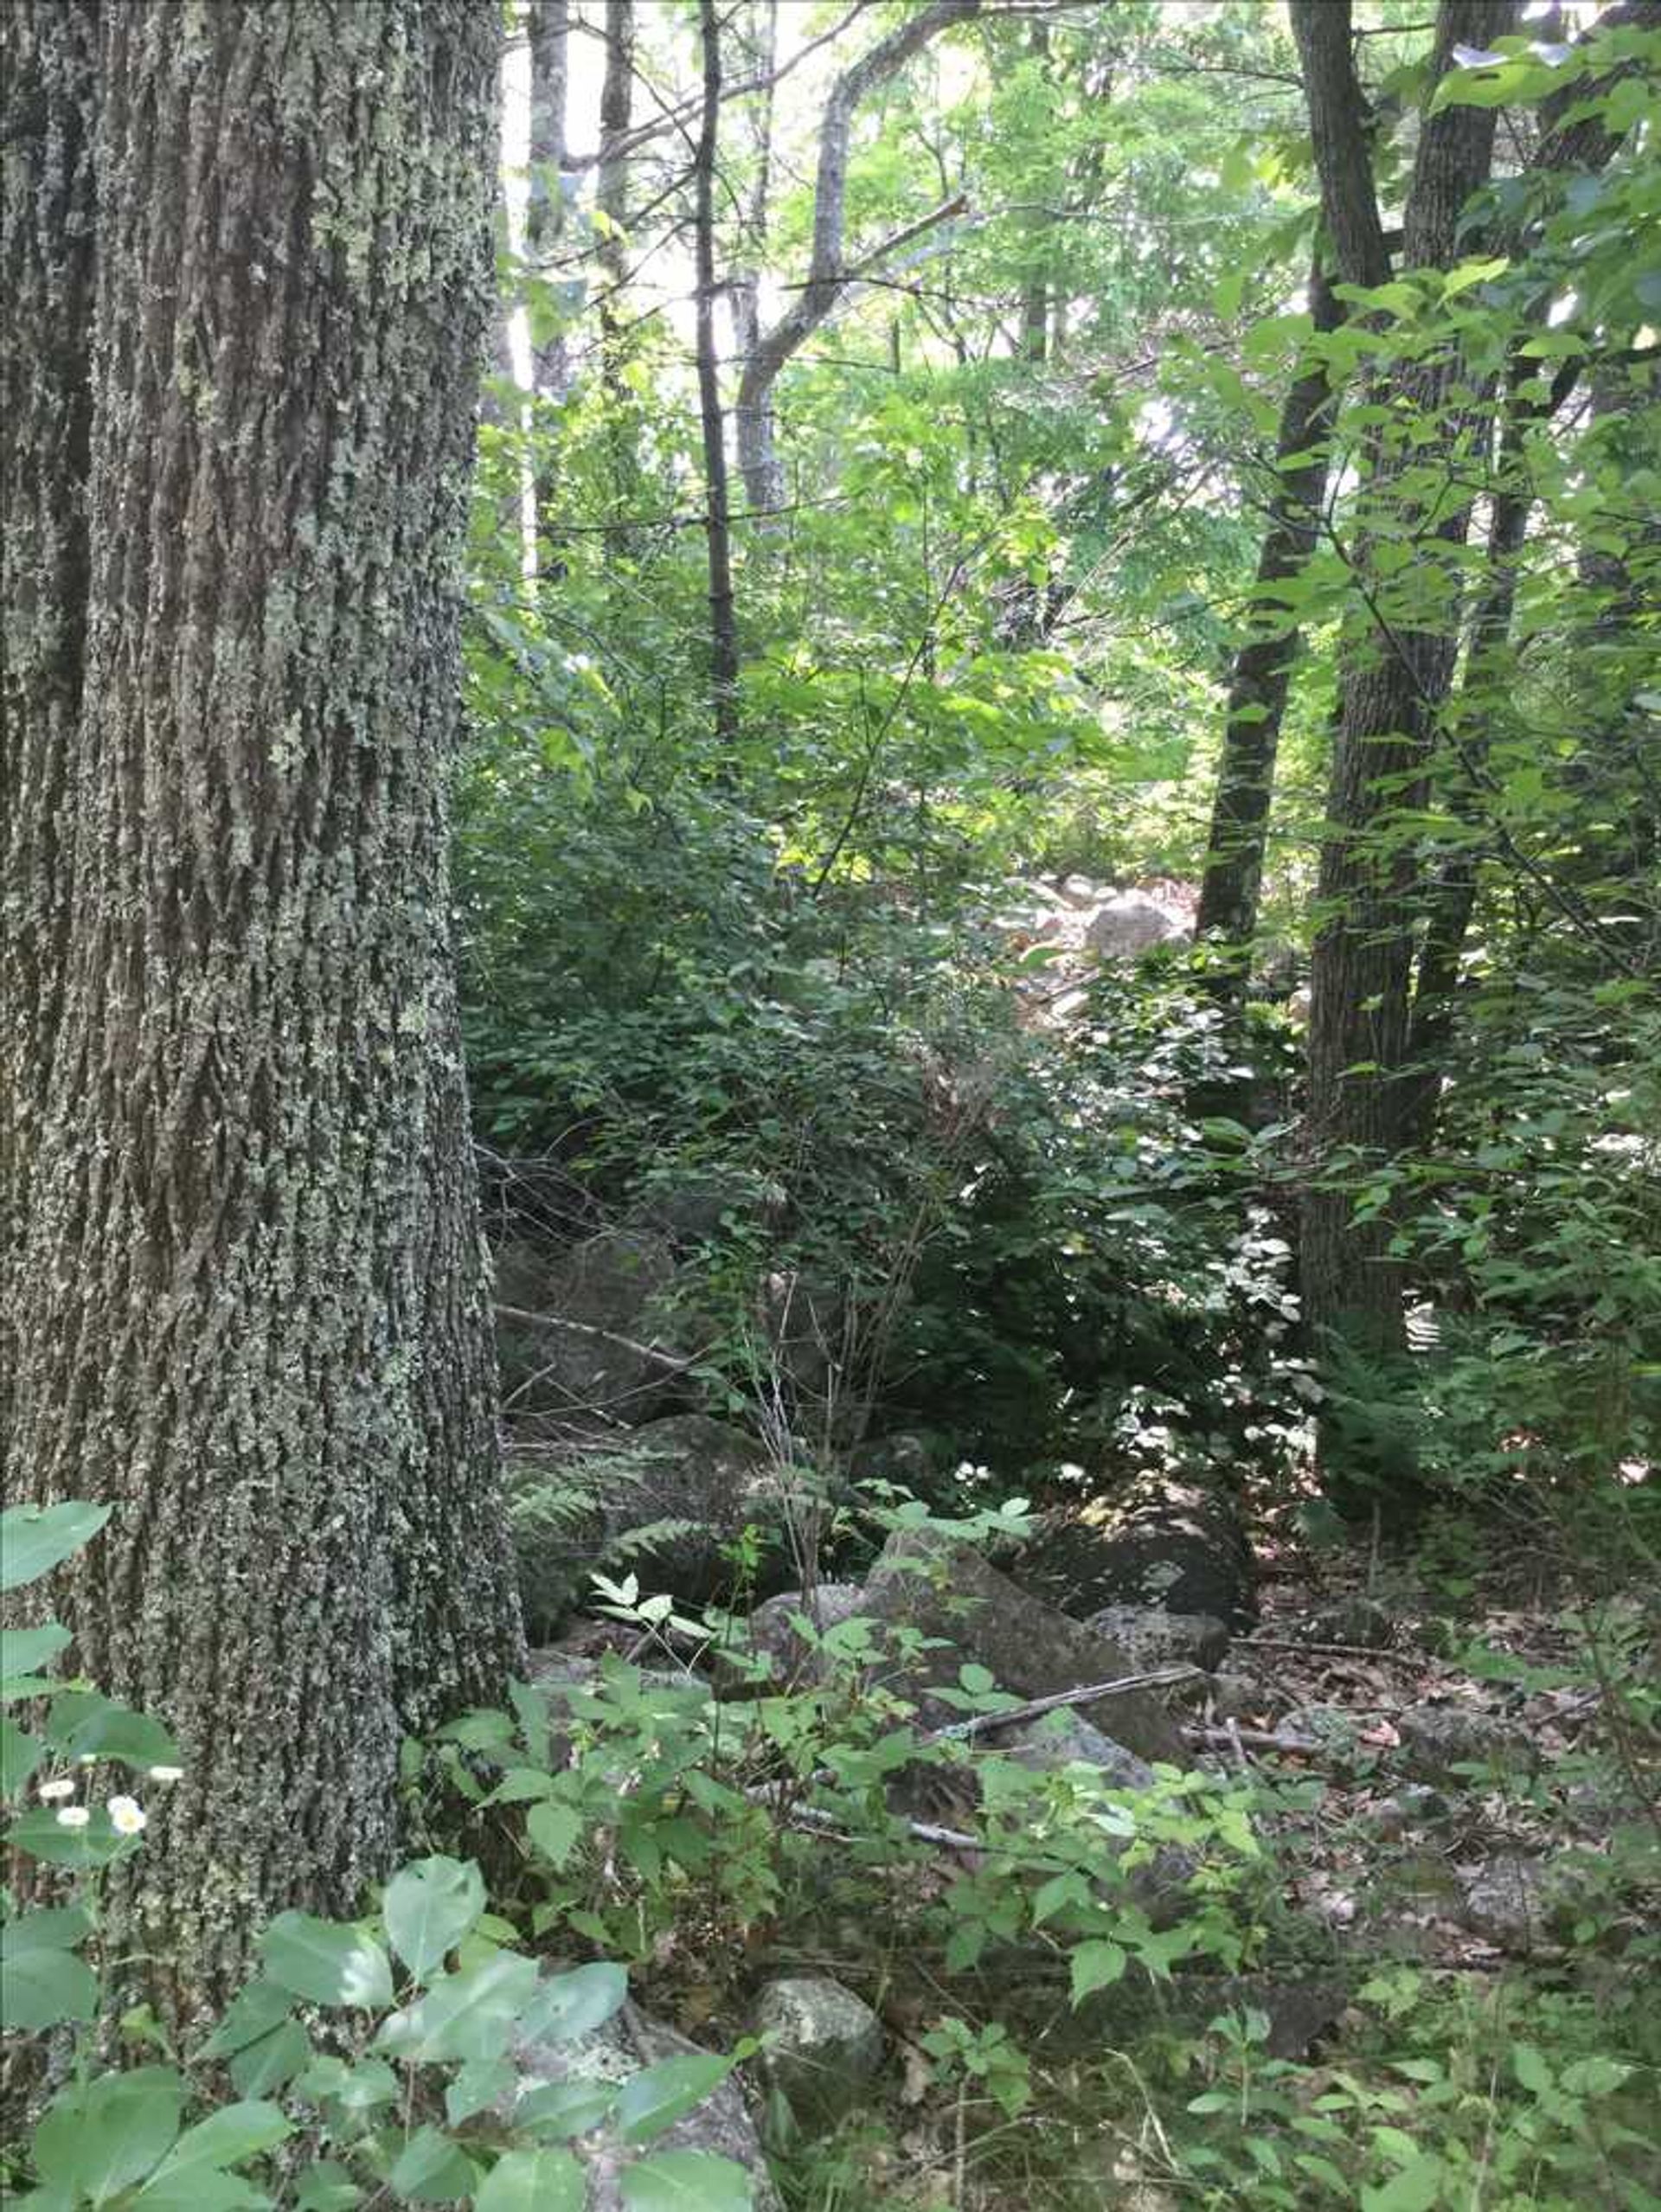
629	2041
1169	1541
1436	1740
1518	1903
597	1341
948	1596
1128	924
773	1636
823	2046
710	1480
1358	1621
1156	1638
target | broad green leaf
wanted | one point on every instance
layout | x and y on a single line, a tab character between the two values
184	2178
465	2015
82	1722
102	2138
255	2009
569	2005
360	2088
430	2169
1415	2188
40	1987
326	1961
1095	1965
44	1835
687	2181
480	2082
1530	2069
21	1753
23	1651
534	2181
655	2099
34	1539
273	2063
563	2108
554	1829
326	2187
427	1909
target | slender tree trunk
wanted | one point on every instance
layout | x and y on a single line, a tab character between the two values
723	632
761	58
48	50
1394	680
550	27
257	1320
1262	672
611	250
828	277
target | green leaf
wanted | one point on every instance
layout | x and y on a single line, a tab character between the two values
24	1651
554	1829
273	2063
40	1986
562	2108
655	2098
427	1909
1415	2188
480	2082
103	2136
82	1723
687	2181
326	2187
534	2181
1095	1965
1530	2069
360	2088
225	2137
569	2005
430	2169
35	1538
43	1837
20	1754
255	2009
465	2015
326	1961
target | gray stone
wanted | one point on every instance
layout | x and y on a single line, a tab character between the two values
629	2041
618	1358
1438	1739
690	1469
1156	1638
1062	1739
774	1637
1514	1903
823	2046
1414	1805
1352	1620
1240	1697
1171	1542
944	1592
1129	923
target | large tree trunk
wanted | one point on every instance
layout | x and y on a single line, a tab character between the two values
1395	679
1261	679
257	1318
46	72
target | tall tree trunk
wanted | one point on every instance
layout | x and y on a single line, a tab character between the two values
723	633
550	27
1394	682
1261	679
828	277
46	72
612	251
257	1320
761	58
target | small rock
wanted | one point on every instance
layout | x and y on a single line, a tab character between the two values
1239	1697
1128	924
823	2045
1506	1904
1415	1805
1153	1638
1438	1739
1354	1620
1064	1739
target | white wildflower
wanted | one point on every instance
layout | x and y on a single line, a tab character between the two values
74	1815
63	1788
127	1816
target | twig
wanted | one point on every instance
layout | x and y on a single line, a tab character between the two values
1336	1650
982	1723
674	1363
1234	1735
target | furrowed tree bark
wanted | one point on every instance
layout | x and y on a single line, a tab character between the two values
723	632
827	276
48	50
1394	678
1261	679
257	1320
